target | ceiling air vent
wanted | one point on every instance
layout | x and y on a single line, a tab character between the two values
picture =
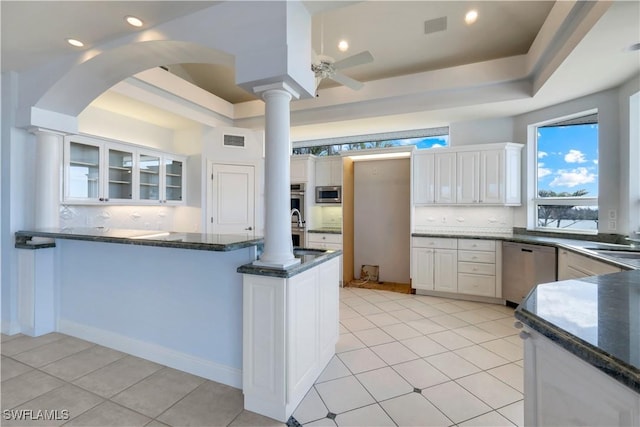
233	141
435	25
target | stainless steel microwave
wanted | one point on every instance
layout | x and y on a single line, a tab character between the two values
329	194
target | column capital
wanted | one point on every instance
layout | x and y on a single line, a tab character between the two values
279	86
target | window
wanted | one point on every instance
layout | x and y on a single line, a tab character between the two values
422	139
566	175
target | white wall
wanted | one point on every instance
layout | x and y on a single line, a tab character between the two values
382	209
629	99
482	132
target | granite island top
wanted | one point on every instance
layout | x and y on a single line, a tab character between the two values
326	230
595	318
167	239
309	258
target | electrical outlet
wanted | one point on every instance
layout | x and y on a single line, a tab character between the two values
612	225
444	219
613	214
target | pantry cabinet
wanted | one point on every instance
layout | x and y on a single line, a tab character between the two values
99	171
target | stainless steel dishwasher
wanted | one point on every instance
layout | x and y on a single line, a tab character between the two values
524	266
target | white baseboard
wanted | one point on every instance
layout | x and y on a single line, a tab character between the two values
155	353
10	328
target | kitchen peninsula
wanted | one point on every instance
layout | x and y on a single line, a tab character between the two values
190	301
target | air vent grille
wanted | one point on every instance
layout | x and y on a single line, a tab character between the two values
435	25
234	141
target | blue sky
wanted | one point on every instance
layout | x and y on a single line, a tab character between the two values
568	159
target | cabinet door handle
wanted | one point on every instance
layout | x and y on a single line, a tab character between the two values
526	250
324	238
101	199
106	200
249	228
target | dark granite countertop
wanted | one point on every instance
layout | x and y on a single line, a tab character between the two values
326	231
584	247
198	241
596	318
308	258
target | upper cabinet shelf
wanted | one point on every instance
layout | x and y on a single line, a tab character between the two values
98	171
471	175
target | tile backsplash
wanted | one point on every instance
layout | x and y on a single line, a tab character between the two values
165	218
494	220
331	217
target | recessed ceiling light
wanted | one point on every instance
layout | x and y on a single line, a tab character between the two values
343	46
74	42
471	17
133	21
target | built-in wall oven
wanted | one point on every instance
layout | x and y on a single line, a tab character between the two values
297	215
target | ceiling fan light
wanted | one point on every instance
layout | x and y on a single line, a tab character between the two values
471	16
75	42
133	21
343	46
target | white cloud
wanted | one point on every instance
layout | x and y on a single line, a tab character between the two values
542	154
542	172
437	145
595	162
573	178
574	156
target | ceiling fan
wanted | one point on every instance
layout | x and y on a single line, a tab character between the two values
328	68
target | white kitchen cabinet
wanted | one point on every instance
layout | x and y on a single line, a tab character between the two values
479	267
434	178
489	176
325	241
434	264
101	171
328	171
572	265
301	168
561	389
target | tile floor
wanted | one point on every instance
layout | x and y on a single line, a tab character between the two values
403	360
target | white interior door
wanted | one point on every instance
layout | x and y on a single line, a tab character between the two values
231	207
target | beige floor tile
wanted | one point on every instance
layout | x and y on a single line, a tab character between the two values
371	416
143	396
344	394
348	342
5	337
357	324
83	362
376	297
449	308
449	321
367	309
481	357
505	349
498	328
209	404
383	319
492	419
514	413
334	369
311	408
455	402
384	383
490	390
452	365
389	306
156	423
414	410
117	376
361	360
406	315
427	310
423	346
109	414
373	337
511	374
348	313
474	316
25	343
325	422
394	352
74	400
53	351
426	326
420	374
25	387
401	331
343	330
450	340
474	334
354	300
251	419
11	368
493	314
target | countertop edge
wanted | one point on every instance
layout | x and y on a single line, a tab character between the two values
22	238
291	271
614	368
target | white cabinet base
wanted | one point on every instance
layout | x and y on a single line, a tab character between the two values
463	297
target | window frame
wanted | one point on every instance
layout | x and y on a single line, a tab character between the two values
536	201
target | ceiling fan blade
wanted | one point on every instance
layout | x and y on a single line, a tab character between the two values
357	59
346	81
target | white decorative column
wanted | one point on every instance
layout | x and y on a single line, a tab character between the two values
47	178
278	249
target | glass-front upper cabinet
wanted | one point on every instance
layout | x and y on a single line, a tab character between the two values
83	172
120	184
149	175
174	179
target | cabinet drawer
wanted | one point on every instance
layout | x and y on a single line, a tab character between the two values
477	268
434	242
325	238
477	256
476	284
477	244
